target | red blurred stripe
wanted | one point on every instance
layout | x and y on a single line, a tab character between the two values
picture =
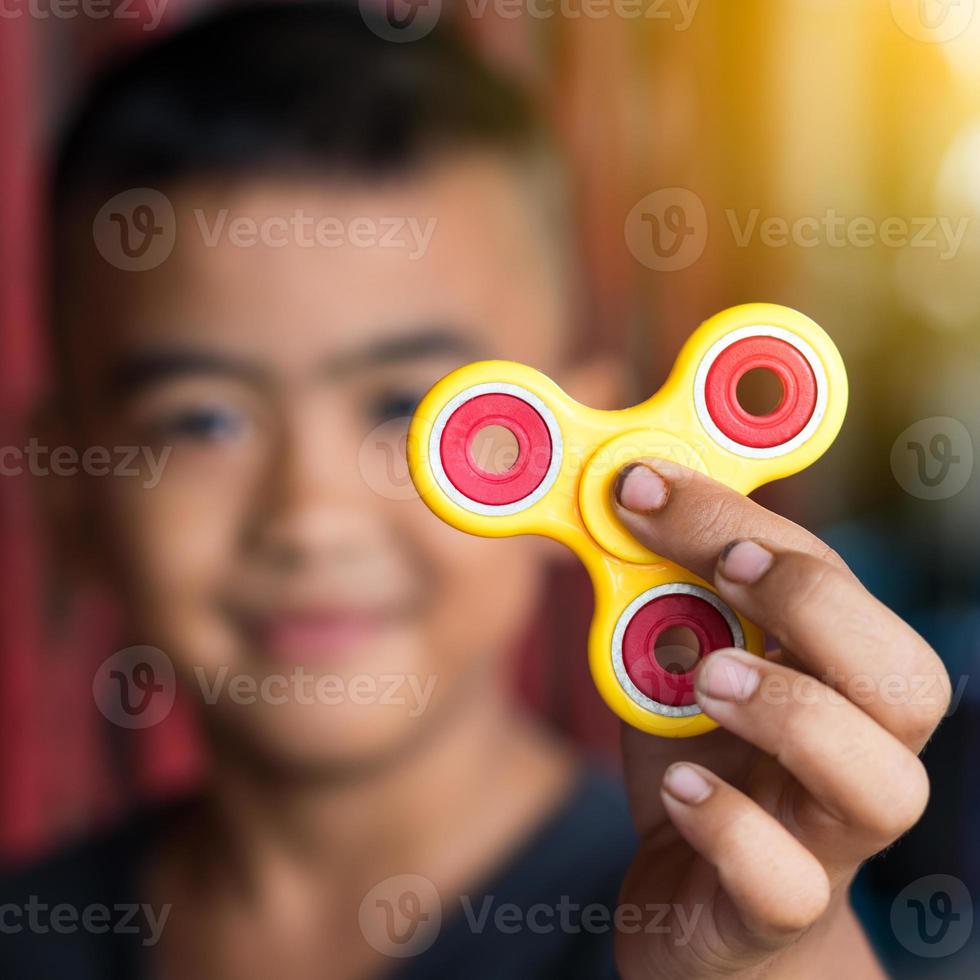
20	759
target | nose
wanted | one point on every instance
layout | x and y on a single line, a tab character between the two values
312	506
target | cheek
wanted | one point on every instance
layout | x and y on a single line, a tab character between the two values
482	591
172	544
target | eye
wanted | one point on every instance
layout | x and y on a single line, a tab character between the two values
203	424
395	404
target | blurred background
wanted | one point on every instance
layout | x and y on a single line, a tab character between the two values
824	154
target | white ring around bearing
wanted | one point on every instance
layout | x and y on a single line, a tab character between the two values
765	452
435	455
671	588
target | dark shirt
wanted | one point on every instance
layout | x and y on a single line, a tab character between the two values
936	866
547	913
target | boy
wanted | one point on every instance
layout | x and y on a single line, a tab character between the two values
261	344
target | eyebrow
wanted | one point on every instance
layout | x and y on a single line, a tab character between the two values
406	347
143	369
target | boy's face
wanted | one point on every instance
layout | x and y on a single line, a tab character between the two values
282	542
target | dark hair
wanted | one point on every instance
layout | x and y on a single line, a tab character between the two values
299	86
303	85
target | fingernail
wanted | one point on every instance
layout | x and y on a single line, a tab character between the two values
726	677
641	489
686	784
744	562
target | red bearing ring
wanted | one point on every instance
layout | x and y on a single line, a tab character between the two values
640	637
534	449
794	410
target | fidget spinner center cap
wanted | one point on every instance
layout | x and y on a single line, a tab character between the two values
595	492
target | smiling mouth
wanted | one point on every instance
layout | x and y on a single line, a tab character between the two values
296	638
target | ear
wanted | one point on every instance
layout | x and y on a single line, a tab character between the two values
598	381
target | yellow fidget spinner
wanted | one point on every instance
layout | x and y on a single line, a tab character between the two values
568	455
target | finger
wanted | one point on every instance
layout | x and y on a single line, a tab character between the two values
777	886
688	517
857	775
647	757
839	632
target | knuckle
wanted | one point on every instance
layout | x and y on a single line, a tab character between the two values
801	725
899	812
816	819
928	701
943	703
918	722
807	906
709	524
809	583
940	697
945	685
833	558
912	725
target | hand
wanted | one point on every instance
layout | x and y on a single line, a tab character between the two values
753	839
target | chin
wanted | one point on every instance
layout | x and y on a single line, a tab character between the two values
322	743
